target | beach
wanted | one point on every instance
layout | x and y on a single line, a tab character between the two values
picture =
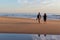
28	26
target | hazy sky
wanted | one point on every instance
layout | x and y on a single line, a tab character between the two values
50	6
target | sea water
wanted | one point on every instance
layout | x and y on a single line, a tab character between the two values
29	36
50	16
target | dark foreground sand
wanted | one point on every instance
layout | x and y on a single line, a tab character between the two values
28	26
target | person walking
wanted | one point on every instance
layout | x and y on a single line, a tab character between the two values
44	17
39	17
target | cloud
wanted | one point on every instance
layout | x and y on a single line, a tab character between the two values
32	2
22	1
39	4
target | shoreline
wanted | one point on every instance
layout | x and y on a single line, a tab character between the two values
25	18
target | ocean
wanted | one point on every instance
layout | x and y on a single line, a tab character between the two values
50	16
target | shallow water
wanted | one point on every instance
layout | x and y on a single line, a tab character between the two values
15	37
47	37
28	37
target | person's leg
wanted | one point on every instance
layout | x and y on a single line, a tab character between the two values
38	20
44	20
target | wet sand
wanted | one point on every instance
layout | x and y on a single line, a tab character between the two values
28	26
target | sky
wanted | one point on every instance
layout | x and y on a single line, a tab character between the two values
13	6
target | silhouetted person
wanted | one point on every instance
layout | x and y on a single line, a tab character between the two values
45	17
39	17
